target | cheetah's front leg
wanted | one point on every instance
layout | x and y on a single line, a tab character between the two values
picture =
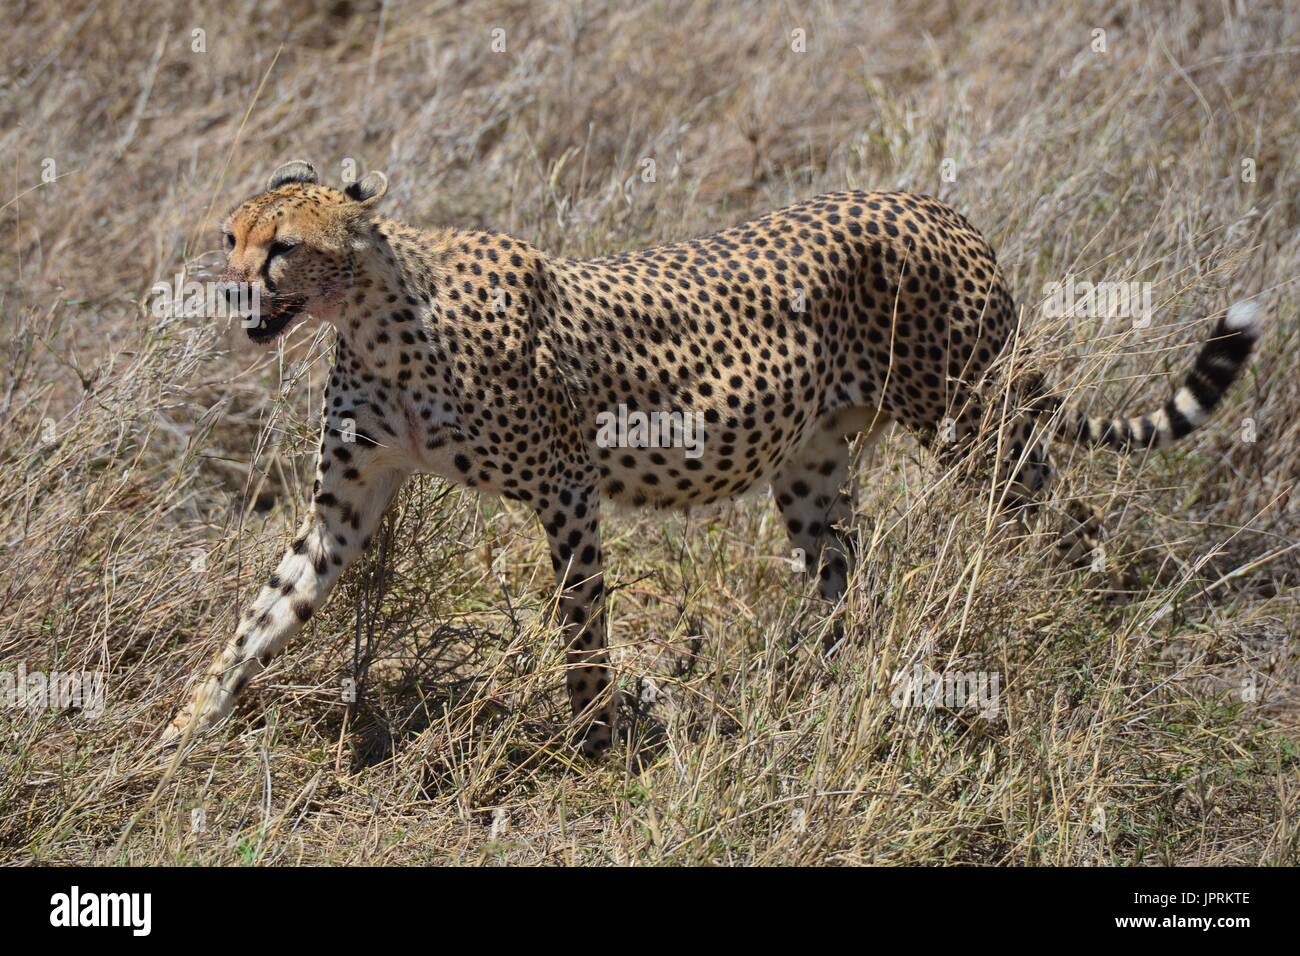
572	525
353	491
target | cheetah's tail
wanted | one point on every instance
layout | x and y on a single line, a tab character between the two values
1220	363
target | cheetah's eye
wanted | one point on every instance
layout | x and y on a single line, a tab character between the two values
230	239
280	248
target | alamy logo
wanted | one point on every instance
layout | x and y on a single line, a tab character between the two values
635	429
954	690
1100	300
103	909
59	690
180	299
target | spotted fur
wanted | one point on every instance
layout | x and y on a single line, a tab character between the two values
473	356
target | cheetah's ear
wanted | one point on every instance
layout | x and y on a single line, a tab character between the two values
298	171
369	189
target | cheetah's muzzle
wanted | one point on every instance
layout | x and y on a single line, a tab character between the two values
275	320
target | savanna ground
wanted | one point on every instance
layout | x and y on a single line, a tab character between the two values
152	468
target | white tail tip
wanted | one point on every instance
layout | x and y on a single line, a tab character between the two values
1244	317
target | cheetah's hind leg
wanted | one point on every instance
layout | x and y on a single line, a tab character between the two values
815	496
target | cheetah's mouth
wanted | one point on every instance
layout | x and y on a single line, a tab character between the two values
273	321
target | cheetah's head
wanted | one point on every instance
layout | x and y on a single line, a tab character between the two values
293	246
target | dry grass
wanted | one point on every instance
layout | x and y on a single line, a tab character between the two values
1123	734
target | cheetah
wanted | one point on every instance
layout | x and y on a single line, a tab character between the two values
478	358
